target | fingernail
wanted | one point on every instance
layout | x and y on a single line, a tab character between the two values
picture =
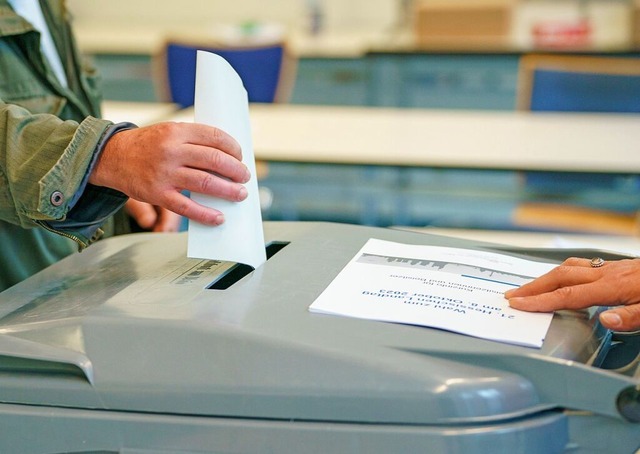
611	319
219	219
242	194
508	292
247	176
514	302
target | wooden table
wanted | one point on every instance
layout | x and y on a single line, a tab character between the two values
602	143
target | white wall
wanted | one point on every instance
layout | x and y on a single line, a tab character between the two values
339	14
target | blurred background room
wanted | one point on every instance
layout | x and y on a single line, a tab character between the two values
475	72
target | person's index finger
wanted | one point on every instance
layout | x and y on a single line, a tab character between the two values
560	276
577	296
535	303
545	302
210	136
545	283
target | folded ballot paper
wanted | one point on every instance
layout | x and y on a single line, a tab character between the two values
221	101
459	290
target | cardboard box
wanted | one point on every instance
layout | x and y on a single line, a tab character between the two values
635	23
606	25
462	19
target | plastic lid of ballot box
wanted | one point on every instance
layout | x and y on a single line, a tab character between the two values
128	347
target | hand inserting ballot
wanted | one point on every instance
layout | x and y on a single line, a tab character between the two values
155	163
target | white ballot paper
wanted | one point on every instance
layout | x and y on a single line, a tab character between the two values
221	101
459	290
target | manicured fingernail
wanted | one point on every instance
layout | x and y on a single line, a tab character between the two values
219	219
242	194
611	319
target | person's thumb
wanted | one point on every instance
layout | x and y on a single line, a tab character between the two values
623	318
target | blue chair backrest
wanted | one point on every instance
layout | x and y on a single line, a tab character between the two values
259	68
564	91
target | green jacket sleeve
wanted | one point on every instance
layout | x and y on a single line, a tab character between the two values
43	164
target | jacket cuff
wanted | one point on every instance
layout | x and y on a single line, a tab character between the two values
91	205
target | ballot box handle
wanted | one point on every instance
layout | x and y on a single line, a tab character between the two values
563	383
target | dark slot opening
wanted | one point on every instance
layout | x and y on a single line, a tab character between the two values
240	270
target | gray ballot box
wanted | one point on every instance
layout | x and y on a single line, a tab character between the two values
130	347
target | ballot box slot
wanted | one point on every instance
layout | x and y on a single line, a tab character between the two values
240	270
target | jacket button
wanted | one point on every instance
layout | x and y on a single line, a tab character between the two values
57	198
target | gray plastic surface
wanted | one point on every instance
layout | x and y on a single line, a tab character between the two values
123	349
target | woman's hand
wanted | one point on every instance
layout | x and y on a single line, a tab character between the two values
575	284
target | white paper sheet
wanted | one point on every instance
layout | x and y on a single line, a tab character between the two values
221	101
459	290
